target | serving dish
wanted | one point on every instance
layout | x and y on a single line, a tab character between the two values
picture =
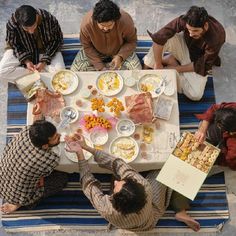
109	83
65	82
152	83
125	148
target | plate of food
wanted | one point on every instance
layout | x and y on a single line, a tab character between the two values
109	83
152	83
65	82
73	157
125	148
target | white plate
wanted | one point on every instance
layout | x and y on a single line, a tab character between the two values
65	82
130	149
73	157
69	108
109	83
125	127
98	137
152	83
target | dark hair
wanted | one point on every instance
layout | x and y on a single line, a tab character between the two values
196	16
25	15
130	199
106	10
40	132
226	118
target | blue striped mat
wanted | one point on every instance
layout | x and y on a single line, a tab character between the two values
70	209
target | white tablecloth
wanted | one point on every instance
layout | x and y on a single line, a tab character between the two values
164	139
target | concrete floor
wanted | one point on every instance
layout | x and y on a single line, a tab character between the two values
147	14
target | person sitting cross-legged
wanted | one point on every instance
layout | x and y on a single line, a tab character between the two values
137	203
27	167
108	37
33	42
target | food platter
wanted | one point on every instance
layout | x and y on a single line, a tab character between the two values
65	82
109	83
73	157
152	83
201	156
125	148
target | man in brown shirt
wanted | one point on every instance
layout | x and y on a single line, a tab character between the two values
137	203
108	37
194	41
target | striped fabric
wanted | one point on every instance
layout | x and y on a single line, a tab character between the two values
72	46
71	209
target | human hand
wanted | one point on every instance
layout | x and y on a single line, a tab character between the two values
116	62
72	144
158	65
30	66
40	66
200	136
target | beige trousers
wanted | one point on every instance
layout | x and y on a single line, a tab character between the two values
189	83
11	70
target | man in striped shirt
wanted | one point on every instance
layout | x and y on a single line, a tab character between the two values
137	203
33	39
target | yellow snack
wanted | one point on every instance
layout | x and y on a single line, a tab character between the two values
97	104
116	106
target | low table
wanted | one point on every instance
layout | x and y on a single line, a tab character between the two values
165	136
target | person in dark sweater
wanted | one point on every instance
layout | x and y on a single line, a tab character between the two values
33	42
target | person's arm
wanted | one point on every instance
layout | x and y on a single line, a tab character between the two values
90	50
129	35
13	41
55	42
157	52
200	134
204	63
90	185
160	38
230	153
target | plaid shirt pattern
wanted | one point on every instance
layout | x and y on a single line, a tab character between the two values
21	166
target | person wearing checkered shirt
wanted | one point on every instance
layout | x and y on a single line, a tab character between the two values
27	167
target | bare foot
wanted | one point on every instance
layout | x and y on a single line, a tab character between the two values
9	208
189	221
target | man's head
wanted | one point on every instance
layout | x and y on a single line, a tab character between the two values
27	17
196	21
128	196
105	13
43	134
225	119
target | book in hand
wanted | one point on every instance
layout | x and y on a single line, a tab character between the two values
188	165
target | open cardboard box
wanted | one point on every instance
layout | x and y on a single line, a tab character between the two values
188	165
29	84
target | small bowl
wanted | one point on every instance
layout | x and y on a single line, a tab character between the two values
99	137
130	81
85	93
125	127
68	108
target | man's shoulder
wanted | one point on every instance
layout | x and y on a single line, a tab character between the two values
125	17
87	19
46	15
